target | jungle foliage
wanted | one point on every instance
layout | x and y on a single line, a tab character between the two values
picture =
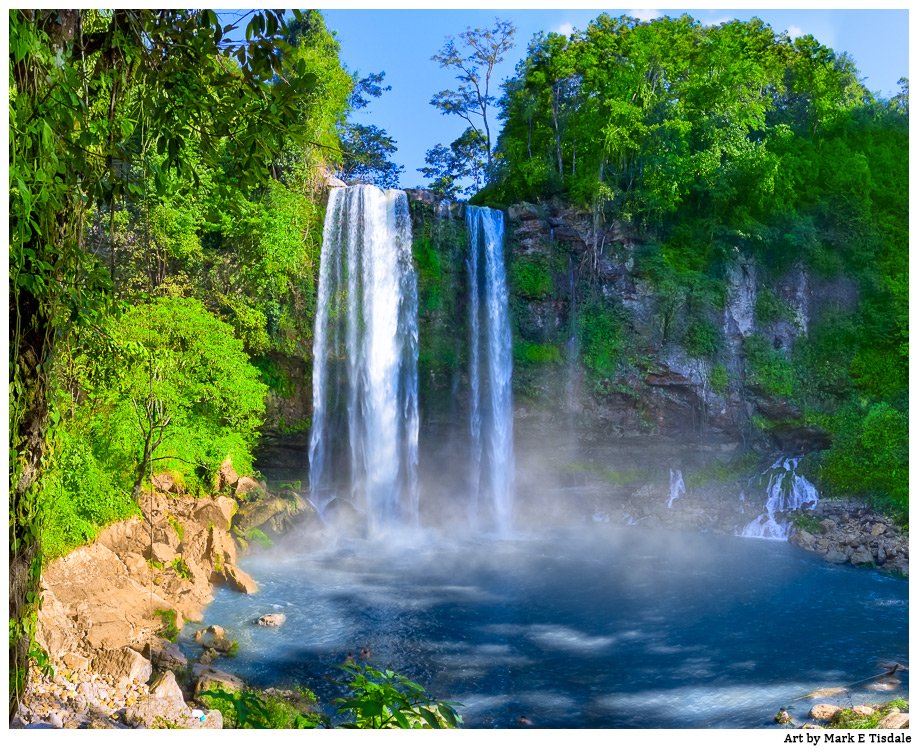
166	168
716	143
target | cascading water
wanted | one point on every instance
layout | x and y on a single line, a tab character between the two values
490	370
787	492
365	354
676	487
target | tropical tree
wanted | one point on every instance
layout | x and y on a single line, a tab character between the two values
473	61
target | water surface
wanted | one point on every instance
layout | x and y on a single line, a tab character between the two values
597	628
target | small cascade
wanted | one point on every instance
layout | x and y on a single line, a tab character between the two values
676	487
787	492
491	469
364	439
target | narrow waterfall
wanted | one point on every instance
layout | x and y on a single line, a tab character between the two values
364	440
676	487
491	469
787	492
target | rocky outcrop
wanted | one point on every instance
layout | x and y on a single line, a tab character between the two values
105	605
848	531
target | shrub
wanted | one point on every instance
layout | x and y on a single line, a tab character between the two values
768	369
384	699
702	339
601	345
534	353
719	378
531	278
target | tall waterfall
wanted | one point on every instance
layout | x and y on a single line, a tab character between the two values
491	469
365	355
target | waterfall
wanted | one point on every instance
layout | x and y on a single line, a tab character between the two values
787	492
676	487
365	354
491	470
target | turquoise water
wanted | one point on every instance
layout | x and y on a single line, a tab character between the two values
595	628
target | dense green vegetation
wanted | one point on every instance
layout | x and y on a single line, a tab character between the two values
375	699
727	142
167	178
165	225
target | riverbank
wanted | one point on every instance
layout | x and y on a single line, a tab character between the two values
109	608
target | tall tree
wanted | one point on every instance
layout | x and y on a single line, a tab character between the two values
473	61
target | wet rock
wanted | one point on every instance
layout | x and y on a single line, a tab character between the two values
272	620
836	556
239	580
861	556
208	635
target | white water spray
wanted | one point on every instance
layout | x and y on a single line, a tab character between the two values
490	370
676	487
787	492
365	354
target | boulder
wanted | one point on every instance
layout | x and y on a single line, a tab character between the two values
125	664
208	635
836	556
75	662
864	710
861	556
239	580
211	678
162	553
894	720
228	476
217	512
249	489
164	707
824	712
166	655
272	620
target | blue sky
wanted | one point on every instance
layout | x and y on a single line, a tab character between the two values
401	43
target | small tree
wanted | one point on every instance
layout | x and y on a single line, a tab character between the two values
482	49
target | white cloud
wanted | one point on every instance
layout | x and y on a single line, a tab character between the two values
794	31
567	28
644	15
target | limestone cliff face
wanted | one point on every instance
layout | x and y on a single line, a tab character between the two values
565	264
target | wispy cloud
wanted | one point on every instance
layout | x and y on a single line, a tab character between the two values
644	15
567	28
794	31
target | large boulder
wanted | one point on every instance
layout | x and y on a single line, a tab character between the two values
217	512
209	679
125	665
239	580
249	489
165	707
166	655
